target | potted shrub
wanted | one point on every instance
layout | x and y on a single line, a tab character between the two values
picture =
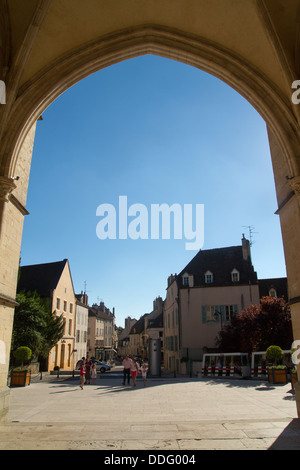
20	376
277	373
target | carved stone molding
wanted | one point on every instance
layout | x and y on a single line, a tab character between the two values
7	185
64	71
8	301
295	185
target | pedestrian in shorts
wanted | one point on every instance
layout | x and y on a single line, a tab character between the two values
82	377
126	372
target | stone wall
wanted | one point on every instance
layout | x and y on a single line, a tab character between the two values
12	211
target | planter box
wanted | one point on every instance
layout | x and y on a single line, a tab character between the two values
277	376
294	379
20	378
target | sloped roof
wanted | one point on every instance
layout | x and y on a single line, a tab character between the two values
104	315
279	284
153	322
139	326
41	278
157	322
220	262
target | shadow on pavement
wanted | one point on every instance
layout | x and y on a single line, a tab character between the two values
290	437
113	383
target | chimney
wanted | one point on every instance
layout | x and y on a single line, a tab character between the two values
171	278
246	249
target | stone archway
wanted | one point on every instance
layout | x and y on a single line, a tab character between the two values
33	83
56	78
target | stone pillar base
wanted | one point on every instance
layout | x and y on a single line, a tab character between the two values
4	404
297	396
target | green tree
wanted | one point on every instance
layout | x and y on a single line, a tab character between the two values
34	324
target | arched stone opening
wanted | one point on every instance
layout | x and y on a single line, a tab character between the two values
41	90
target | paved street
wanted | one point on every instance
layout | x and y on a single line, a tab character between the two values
168	414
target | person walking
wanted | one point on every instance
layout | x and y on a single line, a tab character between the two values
88	366
126	372
144	370
82	376
80	362
134	368
94	374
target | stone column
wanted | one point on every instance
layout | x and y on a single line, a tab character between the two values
291	231
288	197
13	195
7	294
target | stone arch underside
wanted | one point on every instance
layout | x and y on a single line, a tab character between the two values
38	93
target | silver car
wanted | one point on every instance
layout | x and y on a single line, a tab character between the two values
101	366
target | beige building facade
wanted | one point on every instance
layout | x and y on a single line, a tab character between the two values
101	333
252	45
216	285
64	303
81	325
149	326
124	339
54	281
172	352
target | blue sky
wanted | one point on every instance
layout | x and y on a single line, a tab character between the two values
156	131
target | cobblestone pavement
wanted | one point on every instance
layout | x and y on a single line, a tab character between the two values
171	414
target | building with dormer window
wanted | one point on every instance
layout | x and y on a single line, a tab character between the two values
213	287
53	281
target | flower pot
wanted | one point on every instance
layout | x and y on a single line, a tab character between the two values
294	379
20	378
277	376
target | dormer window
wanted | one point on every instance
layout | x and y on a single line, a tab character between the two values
209	277
272	292
187	280
235	275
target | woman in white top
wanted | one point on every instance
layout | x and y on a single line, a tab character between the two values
144	371
94	373
134	368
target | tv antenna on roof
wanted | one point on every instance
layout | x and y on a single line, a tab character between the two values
250	229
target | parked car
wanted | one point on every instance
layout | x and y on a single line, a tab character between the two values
101	366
